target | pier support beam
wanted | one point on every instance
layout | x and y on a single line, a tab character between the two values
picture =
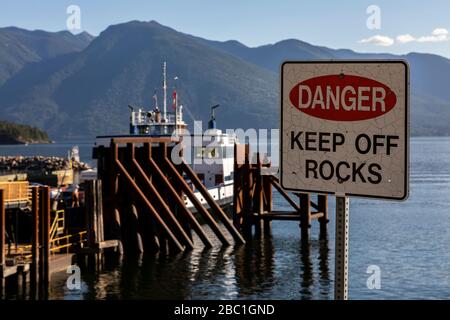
268	202
34	240
141	196
2	243
212	204
175	191
44	241
305	215
2	228
322	206
253	184
240	154
258	203
151	180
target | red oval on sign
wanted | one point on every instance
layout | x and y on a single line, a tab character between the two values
342	98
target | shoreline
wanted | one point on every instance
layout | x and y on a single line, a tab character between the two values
22	143
36	163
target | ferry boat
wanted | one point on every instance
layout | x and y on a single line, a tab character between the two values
212	158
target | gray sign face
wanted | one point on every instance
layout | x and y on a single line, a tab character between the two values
344	128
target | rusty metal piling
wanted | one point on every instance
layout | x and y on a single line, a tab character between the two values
253	198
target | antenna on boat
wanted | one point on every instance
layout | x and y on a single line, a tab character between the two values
212	121
165	92
175	105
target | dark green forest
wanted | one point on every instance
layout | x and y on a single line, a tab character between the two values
20	133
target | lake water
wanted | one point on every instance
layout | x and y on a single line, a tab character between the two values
409	242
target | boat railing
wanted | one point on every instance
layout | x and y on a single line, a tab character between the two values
144	119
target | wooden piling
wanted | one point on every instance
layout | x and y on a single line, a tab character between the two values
176	196
248	195
143	198
94	213
268	203
2	242
156	182
100	220
2	228
253	198
135	228
34	238
91	213
200	208
164	208
305	215
258	199
44	241
322	206
240	151
113	179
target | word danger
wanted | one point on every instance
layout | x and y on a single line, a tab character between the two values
342	98
343	171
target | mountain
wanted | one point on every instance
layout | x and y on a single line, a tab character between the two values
19	47
88	92
430	75
271	56
84	92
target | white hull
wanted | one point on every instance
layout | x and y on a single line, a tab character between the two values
223	195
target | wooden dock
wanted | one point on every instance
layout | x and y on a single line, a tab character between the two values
34	263
137	205
143	198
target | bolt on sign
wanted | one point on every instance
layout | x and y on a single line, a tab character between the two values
344	127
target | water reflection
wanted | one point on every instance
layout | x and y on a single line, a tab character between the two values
265	268
254	264
325	289
306	276
259	270
309	276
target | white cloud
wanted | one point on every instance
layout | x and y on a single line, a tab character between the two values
405	38
440	32
379	40
438	35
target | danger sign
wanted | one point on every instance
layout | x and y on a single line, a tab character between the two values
345	128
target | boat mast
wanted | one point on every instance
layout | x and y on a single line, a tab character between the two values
176	113
165	91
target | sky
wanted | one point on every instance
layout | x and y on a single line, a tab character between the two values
365	26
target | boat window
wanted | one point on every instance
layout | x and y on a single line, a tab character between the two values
213	153
207	152
199	152
201	177
219	179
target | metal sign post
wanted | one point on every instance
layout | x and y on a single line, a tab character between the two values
341	248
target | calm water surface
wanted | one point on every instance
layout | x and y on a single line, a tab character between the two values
409	242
